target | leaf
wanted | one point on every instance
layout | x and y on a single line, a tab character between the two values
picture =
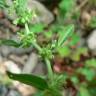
74	40
2	3
48	34
80	51
9	42
88	73
37	28
83	91
91	63
64	51
65	33
74	80
29	79
66	6
20	6
38	94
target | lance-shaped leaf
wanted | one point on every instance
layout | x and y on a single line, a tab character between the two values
29	79
65	33
9	42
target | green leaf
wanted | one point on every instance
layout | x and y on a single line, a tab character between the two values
66	6
91	63
75	79
2	3
64	51
20	6
88	73
83	91
65	33
29	79
48	34
9	42
38	94
37	28
76	55
74	39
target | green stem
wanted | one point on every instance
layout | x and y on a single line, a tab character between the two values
27	28
37	46
34	43
50	72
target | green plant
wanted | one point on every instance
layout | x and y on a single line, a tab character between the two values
52	85
60	40
2	4
66	11
66	6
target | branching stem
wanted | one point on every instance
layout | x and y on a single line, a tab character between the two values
50	72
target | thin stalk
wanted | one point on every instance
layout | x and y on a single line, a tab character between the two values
37	46
50	72
34	43
27	28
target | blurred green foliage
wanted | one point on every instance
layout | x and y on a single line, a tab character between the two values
65	44
92	23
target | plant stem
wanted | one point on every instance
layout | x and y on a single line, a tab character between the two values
37	46
34	43
27	28
50	72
